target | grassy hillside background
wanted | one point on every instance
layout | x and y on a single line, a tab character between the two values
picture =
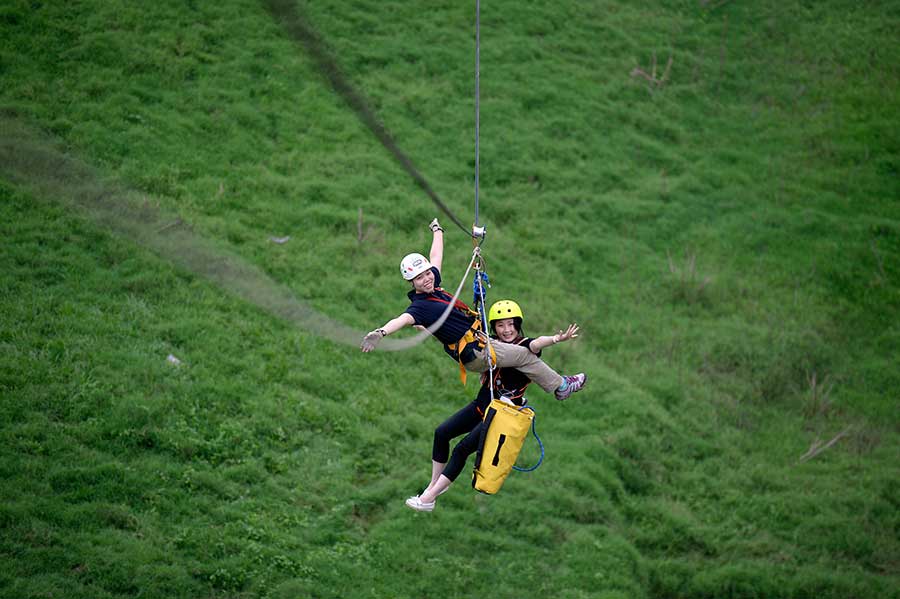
726	230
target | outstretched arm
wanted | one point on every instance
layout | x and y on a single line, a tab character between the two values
546	340
437	244
392	326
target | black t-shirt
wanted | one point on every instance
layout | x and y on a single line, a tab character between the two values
427	308
508	381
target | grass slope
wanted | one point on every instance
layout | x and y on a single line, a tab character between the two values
725	228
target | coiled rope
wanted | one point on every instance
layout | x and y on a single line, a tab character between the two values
540	444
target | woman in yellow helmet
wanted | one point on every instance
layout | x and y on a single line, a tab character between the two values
505	319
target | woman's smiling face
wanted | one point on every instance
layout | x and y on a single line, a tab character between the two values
424	282
506	329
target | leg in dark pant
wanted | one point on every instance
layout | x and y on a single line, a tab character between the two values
462	451
460	423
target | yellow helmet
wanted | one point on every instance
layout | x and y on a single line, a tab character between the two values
504	309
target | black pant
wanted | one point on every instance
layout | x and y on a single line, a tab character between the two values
467	420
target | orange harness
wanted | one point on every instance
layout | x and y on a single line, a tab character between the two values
473	335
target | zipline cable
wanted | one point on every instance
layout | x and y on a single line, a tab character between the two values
477	99
287	13
479	279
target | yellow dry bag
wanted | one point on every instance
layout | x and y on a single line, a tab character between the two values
504	431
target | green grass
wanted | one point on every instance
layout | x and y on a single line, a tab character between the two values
728	239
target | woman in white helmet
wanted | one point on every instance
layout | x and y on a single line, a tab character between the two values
505	319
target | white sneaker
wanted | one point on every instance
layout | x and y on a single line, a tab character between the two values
420	506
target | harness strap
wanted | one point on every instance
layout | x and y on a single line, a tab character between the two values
458	304
473	335
498	382
476	336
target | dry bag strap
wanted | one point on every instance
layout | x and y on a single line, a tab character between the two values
488	418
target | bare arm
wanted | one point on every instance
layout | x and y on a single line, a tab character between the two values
547	340
392	326
437	244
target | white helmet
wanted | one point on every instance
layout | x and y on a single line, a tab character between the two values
413	265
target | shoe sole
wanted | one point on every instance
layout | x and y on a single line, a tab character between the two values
419	507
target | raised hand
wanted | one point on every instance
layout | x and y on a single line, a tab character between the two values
570	333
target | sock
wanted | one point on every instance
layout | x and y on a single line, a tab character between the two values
564	386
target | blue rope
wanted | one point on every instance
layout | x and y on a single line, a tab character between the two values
478	293
481	279
540	443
